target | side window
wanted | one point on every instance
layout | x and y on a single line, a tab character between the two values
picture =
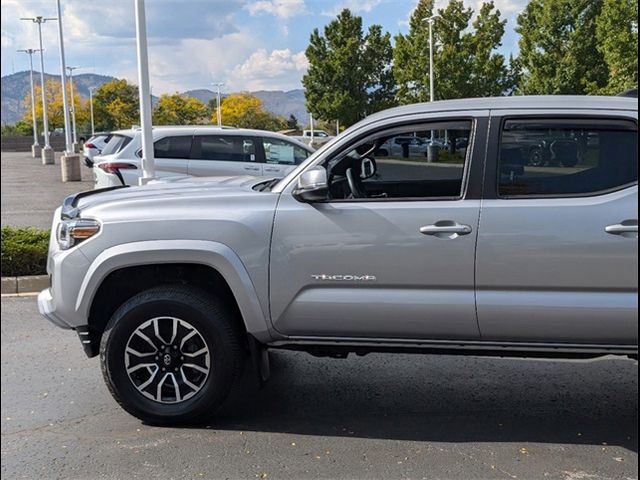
283	152
423	161
172	147
566	157
225	148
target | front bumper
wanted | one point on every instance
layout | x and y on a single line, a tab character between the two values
46	307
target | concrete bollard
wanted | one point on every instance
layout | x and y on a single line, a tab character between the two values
70	165
432	154
36	151
48	156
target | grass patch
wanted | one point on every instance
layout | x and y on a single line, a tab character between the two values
24	251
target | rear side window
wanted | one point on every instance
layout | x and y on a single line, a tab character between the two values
228	148
173	147
115	144
567	157
283	152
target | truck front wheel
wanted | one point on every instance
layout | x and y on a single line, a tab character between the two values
170	355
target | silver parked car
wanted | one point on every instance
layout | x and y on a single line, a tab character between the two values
198	151
179	283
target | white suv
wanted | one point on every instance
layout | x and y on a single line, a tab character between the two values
198	151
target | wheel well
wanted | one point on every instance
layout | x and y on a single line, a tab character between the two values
124	283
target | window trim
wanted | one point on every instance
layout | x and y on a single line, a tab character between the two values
495	141
468	173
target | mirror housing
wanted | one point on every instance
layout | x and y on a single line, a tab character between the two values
312	186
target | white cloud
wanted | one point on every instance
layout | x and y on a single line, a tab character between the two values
279	8
279	69
356	6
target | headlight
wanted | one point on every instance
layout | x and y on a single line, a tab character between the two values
72	232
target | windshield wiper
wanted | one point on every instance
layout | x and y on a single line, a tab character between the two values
267	186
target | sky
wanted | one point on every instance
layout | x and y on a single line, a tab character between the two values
247	44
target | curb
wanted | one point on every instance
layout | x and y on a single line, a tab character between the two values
24	285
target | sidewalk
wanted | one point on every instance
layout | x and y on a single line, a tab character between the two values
31	191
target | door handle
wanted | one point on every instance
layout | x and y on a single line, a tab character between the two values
628	228
446	229
253	169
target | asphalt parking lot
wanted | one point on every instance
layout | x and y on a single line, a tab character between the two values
32	191
380	416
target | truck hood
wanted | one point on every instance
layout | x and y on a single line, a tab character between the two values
173	189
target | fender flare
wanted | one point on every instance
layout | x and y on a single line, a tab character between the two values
212	254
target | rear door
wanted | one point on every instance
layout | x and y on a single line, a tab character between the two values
224	155
172	154
557	257
281	157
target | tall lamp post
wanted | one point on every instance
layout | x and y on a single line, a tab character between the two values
63	83
35	148
430	21
47	151
148	160
72	108
218	111
93	128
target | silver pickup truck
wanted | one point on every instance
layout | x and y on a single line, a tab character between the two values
180	285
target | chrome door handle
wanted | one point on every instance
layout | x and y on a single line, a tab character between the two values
253	169
628	228
446	228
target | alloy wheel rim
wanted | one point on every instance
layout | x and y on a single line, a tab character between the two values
167	360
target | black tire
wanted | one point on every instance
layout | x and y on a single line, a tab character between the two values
213	320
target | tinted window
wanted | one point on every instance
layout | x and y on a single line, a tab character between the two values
172	147
115	144
567	157
283	152
226	148
425	162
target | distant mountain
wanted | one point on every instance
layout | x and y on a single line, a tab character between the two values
16	86
275	101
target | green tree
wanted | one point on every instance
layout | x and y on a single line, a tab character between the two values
617	36
116	105
177	109
349	73
558	47
244	110
466	63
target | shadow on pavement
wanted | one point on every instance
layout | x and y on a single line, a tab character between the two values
443	399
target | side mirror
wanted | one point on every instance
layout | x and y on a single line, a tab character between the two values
312	186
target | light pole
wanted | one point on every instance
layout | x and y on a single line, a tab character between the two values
35	148
69	148
430	21
148	161
47	151
218	111
93	129
72	109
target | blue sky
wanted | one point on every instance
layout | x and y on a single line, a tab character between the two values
248	44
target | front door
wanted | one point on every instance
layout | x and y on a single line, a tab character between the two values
558	243
392	258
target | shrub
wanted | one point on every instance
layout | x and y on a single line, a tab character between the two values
24	251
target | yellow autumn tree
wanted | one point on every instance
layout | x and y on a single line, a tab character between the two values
178	109
55	115
244	110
